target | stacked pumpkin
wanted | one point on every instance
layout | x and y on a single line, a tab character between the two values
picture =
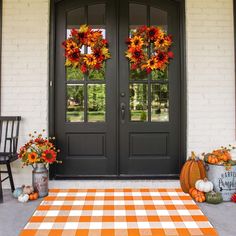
193	181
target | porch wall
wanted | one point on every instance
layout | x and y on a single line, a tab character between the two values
210	71
25	69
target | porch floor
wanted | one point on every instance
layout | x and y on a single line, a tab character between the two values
14	215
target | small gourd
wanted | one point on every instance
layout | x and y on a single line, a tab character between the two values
17	192
213	197
33	196
23	197
197	195
204	185
28	189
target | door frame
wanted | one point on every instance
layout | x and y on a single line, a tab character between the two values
183	92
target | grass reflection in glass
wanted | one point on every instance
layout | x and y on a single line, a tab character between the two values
138	102
96	103
75	103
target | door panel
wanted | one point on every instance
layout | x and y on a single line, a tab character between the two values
150	128
114	122
85	122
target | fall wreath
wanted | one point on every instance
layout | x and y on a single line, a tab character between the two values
155	39
85	37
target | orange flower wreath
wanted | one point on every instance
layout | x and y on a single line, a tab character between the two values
159	43
87	37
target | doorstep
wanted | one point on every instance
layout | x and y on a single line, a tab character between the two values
101	183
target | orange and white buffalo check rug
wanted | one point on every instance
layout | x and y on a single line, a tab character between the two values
118	212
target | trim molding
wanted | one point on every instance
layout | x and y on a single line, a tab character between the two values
183	125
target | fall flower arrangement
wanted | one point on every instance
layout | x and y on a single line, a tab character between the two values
143	39
38	149
87	38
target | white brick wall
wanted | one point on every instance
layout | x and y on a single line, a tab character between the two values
25	68
210	74
210	71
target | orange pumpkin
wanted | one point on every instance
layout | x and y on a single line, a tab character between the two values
200	197
192	171
33	196
213	159
222	154
193	192
36	195
197	195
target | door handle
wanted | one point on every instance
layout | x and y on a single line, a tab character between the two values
122	110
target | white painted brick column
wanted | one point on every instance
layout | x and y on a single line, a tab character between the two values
210	74
25	69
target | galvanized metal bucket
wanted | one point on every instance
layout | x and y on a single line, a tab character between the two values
224	180
40	179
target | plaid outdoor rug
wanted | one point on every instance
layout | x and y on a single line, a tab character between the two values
118	212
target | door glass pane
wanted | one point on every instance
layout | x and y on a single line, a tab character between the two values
75	18
137	15
158	17
96	102
97	21
160	75
75	103
74	74
138	75
139	102
160	102
97	74
96	16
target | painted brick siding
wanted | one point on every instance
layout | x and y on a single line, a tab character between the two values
25	69
210	74
210	71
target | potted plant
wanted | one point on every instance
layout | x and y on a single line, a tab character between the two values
39	152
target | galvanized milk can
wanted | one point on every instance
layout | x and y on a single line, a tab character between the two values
40	179
223	179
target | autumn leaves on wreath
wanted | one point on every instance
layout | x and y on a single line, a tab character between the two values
210	178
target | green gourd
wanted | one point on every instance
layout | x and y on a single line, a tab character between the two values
214	198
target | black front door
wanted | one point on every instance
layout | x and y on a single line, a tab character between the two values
115	122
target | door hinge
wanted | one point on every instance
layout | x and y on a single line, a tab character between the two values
50	83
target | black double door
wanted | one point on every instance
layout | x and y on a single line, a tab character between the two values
115	122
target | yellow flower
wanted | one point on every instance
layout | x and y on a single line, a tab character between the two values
163	42
105	52
151	63
136	41
32	157
90	60
71	46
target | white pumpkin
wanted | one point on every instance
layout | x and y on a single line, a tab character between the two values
23	197
204	185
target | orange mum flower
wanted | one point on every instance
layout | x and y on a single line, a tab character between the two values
162	60
153	33
135	54
32	157
49	156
